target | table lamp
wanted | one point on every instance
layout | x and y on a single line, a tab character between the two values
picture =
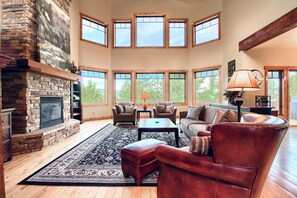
242	80
144	97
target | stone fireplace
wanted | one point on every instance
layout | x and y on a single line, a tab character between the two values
27	82
42	105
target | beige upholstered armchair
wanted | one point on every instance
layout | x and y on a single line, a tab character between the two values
124	112
165	110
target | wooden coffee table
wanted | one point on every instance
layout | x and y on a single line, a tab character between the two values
157	125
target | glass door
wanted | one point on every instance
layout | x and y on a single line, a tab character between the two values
293	97
275	89
281	85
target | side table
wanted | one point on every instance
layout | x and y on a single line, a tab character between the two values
143	111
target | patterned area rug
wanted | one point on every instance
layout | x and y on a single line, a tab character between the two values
97	161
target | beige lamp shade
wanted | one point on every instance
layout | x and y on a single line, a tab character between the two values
144	96
243	80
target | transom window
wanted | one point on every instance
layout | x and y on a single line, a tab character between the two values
122	33
93	30
177	87
123	87
150	30
206	85
177	32
153	83
93	87
206	30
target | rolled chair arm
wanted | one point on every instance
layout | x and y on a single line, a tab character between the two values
114	111
182	114
155	112
203	133
134	110
205	166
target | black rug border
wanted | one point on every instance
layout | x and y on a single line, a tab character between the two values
25	181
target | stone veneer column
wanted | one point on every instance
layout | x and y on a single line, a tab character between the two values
19	27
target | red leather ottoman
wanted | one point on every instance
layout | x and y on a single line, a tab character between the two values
138	159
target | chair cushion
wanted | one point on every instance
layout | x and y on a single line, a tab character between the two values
201	145
194	112
165	103
119	109
161	108
129	109
169	109
198	127
187	122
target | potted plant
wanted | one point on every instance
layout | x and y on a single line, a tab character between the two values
230	96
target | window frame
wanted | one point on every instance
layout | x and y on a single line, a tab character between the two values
149	15
194	82
184	20
97	21
105	85
114	21
201	21
114	72
186	83
150	72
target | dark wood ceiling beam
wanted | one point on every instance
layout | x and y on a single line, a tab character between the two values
274	29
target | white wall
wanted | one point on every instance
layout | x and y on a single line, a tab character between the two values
243	18
209	54
92	55
239	19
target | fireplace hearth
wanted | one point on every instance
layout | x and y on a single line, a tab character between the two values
51	111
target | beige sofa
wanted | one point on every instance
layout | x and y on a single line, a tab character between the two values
206	119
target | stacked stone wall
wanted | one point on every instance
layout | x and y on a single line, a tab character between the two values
22	90
19	27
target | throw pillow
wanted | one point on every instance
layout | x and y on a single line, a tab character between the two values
230	116
201	145
194	112
161	108
129	109
218	117
119	108
169	109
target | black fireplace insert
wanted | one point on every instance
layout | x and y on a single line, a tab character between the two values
51	111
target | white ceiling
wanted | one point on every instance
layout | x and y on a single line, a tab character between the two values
286	40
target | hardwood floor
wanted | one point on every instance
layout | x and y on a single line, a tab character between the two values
281	181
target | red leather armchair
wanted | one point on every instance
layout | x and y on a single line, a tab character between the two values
242	156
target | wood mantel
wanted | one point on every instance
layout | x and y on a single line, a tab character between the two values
30	65
274	29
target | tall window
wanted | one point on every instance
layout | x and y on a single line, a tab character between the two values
123	87
206	30
274	88
153	83
122	33
177	87
93	87
150	31
177	32
207	86
93	30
